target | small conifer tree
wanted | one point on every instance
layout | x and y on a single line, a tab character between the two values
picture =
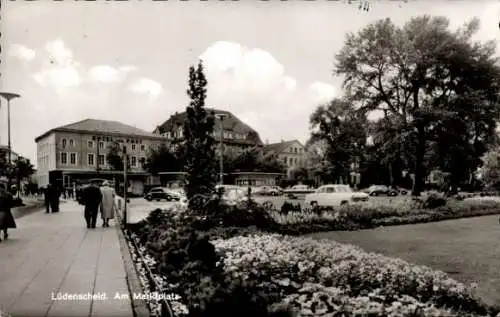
199	144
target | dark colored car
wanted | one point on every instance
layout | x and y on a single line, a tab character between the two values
381	190
160	193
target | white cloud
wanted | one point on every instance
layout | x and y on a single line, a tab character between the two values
231	67
147	86
323	92
60	70
22	52
108	74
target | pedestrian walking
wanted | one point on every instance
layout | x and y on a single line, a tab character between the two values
54	197
46	195
107	203
92	199
6	218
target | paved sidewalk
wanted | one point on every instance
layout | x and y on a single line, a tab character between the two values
55	253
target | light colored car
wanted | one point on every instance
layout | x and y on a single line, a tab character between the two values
334	195
269	191
299	189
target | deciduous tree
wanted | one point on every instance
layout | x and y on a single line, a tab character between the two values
427	78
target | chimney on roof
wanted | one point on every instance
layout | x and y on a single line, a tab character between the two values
267	141
282	141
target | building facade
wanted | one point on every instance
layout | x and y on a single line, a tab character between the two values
78	151
236	135
291	153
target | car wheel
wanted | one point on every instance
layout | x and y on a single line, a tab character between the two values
314	204
148	198
392	194
168	198
373	194
344	203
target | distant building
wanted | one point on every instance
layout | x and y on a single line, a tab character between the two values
291	153
78	151
236	135
5	149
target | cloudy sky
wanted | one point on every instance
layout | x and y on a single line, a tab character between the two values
269	63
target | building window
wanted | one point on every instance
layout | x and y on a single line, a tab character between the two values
64	158
72	158
101	145
143	147
133	147
295	150
100	160
90	159
284	159
71	143
63	143
90	144
134	161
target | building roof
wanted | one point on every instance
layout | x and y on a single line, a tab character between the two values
229	123
279	147
102	127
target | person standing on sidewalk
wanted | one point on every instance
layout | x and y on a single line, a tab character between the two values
92	199
107	204
46	195
55	196
6	218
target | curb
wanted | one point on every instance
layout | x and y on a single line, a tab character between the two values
139	306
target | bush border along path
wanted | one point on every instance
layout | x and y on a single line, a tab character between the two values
139	306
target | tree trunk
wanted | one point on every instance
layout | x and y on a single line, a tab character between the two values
391	176
418	184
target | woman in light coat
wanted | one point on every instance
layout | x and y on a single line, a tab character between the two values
107	204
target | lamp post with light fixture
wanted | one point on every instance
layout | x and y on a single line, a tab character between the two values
221	116
9	96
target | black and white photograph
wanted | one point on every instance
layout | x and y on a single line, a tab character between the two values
250	158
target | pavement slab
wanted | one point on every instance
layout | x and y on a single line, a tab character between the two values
52	255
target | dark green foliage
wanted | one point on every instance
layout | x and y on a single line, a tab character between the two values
199	144
437	87
162	159
288	206
114	156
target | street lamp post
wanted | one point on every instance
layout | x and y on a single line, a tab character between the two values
221	116
9	96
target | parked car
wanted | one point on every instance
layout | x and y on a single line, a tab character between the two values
300	189
269	191
334	195
159	193
381	190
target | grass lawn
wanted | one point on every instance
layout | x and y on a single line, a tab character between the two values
467	249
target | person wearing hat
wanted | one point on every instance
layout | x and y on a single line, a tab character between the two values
107	203
6	218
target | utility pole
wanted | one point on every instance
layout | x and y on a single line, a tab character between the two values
221	116
8	96
125	187
97	158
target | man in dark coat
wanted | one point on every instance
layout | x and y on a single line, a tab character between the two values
55	195
46	195
92	198
6	218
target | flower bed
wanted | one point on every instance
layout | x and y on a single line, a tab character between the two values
221	271
366	216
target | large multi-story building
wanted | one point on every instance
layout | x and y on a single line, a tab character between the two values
291	153
78	151
236	135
